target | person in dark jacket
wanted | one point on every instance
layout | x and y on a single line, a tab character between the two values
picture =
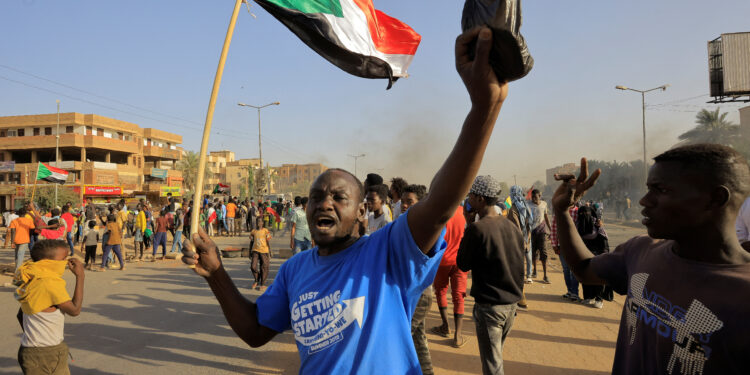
493	249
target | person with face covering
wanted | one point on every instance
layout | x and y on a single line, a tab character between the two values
595	238
523	218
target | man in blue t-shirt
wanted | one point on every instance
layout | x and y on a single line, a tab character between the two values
350	300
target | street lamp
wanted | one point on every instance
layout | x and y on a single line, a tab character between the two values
355	162
260	148
643	106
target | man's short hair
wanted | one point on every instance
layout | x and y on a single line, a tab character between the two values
304	200
297	200
381	190
419	190
535	192
55	212
398	184
718	163
45	249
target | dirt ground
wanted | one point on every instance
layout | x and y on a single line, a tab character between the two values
161	318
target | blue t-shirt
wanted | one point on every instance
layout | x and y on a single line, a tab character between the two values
351	311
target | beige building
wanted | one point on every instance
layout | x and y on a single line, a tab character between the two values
297	177
106	158
224	168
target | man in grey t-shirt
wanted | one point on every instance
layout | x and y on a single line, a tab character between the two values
687	281
301	238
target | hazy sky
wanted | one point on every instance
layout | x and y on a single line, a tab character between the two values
157	59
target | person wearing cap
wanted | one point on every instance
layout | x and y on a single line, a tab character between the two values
493	249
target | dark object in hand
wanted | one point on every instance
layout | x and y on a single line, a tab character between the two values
509	57
564	177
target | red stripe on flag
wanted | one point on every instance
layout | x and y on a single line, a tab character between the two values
55	170
390	35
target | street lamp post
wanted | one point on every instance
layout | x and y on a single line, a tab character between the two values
57	145
355	162
260	147
643	107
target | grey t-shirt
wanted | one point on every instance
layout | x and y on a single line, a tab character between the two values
301	229
680	316
91	237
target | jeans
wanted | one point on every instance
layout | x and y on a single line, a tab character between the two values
299	246
529	262
116	250
21	250
570	280
69	237
160	238
493	323
176	241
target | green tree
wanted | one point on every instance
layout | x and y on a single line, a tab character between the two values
45	196
712	127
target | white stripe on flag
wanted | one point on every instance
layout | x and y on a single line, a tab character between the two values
353	31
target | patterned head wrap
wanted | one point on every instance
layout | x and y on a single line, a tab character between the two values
486	186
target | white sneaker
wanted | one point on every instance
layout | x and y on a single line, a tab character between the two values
529	281
598	304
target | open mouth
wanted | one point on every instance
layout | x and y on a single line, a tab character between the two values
646	219
324	223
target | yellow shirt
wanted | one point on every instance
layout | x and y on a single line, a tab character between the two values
260	237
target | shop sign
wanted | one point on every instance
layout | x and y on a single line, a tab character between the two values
7	166
102	190
175	190
158	173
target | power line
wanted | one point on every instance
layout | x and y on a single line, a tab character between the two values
232	135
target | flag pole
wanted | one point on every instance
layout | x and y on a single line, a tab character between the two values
33	190
197	195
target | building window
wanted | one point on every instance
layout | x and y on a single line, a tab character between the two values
89	130
2	177
48	131
21	132
100	132
3	133
120	135
68	129
37	131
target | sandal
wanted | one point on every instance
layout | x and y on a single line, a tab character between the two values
438	330
460	344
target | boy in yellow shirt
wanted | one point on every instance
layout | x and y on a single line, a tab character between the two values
260	253
43	301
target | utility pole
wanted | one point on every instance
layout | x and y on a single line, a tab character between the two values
57	145
355	162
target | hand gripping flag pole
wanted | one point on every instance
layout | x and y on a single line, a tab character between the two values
195	209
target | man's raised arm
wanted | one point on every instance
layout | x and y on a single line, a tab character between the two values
240	312
452	182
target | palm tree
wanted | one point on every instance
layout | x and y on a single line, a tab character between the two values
188	165
712	128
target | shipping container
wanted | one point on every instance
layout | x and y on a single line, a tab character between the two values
729	64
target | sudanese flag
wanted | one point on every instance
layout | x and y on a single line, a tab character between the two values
351	34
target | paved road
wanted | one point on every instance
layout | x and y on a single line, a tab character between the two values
160	318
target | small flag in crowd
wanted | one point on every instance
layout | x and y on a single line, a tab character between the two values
351	34
51	174
221	188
